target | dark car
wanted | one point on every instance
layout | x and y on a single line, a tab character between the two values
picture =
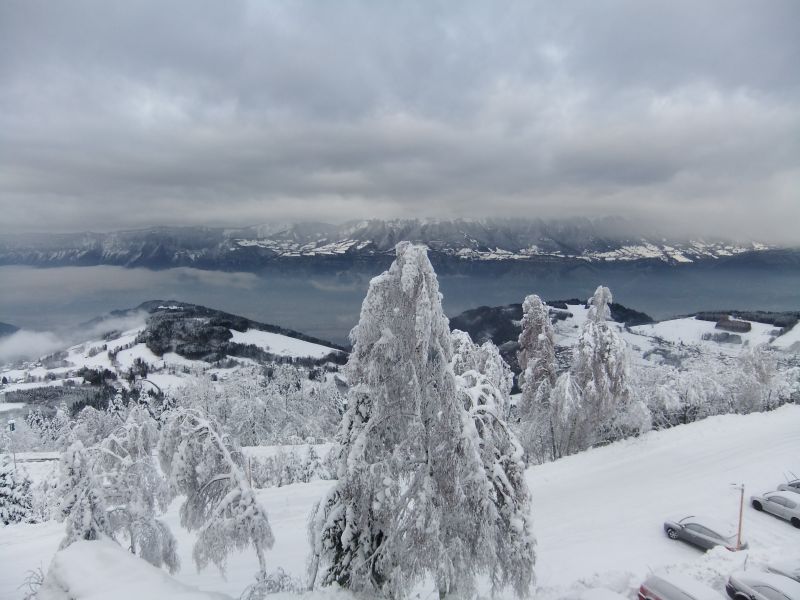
702	532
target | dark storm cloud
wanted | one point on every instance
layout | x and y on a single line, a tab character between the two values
117	115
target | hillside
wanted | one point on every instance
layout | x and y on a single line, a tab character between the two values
598	515
174	342
7	329
647	339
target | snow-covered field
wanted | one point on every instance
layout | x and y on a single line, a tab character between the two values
598	515
280	344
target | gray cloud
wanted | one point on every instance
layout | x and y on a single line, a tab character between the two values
129	115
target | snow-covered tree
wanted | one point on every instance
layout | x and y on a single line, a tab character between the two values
271	407
538	372
83	503
756	382
220	504
600	371
513	543
16	500
564	416
135	490
91	426
312	466
412	499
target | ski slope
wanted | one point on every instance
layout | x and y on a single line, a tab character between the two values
598	515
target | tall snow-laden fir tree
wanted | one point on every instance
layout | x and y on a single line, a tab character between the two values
412	499
538	373
220	504
600	371
484	389
16	499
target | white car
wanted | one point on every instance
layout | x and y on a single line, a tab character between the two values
757	585
790	486
785	505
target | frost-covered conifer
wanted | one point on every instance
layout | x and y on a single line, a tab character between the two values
220	504
538	372
412	499
16	500
312	466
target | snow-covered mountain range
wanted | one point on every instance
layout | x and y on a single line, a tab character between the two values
596	241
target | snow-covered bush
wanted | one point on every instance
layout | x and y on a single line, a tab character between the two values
413	498
16	499
220	504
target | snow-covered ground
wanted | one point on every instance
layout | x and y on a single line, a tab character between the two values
281	345
690	331
598	515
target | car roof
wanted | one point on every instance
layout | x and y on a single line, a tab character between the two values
788	495
694	588
783	584
717	526
788	566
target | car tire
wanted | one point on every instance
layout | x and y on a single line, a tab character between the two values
672	534
796	522
757	505
741	597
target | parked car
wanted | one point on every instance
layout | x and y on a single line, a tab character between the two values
702	532
790	569
790	486
758	585
785	505
676	587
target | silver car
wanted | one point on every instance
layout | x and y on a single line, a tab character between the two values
675	587
787	569
702	532
790	486
757	585
785	505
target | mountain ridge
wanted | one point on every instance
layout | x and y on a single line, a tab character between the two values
462	240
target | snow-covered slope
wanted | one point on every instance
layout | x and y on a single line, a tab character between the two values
603	510
282	345
102	569
177	342
598	515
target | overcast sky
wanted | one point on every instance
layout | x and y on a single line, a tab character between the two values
128	114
